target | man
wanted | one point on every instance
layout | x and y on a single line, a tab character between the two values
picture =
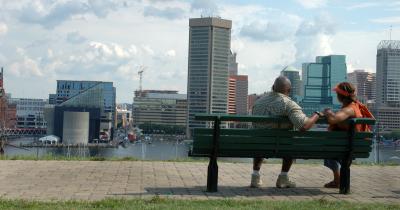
278	103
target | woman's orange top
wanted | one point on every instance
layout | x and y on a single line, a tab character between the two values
342	126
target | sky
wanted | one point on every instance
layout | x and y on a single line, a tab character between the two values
42	41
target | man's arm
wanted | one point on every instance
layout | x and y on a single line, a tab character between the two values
299	120
310	122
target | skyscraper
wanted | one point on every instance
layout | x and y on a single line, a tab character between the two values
232	64
365	83
294	76
318	80
388	73
238	89
209	49
387	109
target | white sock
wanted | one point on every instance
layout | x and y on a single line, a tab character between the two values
256	172
283	174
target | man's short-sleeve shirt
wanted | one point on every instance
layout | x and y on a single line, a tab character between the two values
277	104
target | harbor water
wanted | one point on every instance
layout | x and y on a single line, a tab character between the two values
163	149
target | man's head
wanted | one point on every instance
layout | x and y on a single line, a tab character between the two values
282	85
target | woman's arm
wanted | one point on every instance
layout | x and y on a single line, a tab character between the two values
339	116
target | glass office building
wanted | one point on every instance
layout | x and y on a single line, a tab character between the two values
89	94
209	49
319	79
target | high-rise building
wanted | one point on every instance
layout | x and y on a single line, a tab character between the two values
294	76
318	80
209	49
237	94
387	108
159	107
232	64
365	83
388	73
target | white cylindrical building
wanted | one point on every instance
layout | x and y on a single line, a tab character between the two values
75	128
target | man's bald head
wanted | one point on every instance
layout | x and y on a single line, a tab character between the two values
282	85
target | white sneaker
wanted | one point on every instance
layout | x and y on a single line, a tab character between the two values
256	181
284	182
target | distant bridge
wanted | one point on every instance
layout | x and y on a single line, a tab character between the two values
20	132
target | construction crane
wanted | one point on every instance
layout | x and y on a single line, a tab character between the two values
140	72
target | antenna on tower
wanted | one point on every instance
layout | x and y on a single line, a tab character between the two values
390	33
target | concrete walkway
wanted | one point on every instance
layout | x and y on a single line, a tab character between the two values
92	180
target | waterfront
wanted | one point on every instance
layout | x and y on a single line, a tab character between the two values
161	149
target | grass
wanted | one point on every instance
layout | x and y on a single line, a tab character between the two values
163	203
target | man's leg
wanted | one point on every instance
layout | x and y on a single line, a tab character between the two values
255	176
283	178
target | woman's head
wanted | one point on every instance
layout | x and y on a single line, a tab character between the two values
346	92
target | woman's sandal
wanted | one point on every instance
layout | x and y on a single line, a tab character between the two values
331	184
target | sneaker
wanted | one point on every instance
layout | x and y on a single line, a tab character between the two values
284	182
256	181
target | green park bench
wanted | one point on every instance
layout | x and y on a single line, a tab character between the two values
278	143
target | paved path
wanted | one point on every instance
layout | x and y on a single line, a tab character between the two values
94	180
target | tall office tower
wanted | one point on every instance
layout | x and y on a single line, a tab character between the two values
238	89
365	83
294	76
388	73
387	109
318	80
209	49
231	95
232	64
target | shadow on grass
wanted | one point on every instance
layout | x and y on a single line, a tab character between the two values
228	191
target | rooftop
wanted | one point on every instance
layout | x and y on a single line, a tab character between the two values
389	44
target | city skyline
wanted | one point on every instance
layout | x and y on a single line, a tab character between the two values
46	41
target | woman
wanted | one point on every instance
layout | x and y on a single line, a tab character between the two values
351	108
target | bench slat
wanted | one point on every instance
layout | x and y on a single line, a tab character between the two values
281	154
278	140
282	133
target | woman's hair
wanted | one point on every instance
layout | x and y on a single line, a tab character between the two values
346	92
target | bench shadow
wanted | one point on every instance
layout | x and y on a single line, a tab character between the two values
390	196
228	191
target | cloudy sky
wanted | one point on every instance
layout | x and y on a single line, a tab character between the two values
45	40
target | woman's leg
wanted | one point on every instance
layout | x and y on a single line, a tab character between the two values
335	167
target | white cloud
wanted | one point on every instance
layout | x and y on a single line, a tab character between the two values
75	38
50	14
312	4
387	20
26	68
168	12
363	5
307	48
170	53
3	28
206	7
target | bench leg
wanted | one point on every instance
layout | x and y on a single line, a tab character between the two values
212	175
344	178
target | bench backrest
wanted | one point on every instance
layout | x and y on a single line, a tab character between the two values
277	143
